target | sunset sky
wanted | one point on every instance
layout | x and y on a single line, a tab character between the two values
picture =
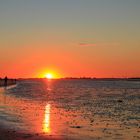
70	38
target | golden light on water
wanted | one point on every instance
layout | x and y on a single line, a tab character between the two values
46	123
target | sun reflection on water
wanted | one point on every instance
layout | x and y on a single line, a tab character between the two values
46	122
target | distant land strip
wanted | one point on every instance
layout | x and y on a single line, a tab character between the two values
87	78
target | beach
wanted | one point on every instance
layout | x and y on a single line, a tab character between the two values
6	134
69	69
70	109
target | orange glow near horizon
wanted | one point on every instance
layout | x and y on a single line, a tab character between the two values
33	42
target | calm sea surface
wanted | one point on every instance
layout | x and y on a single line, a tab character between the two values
73	109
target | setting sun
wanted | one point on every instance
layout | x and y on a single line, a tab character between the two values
49	76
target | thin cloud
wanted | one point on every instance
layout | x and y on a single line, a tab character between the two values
87	44
111	44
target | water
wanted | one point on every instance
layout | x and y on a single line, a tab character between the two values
73	109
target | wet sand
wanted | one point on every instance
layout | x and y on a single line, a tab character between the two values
93	113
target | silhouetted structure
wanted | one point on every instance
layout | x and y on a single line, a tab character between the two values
5	81
15	81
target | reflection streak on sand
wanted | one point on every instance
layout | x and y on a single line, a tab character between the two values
100	117
46	122
30	113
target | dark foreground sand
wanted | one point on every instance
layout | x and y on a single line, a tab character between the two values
14	135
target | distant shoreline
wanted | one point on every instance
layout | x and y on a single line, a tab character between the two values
110	79
87	78
14	81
